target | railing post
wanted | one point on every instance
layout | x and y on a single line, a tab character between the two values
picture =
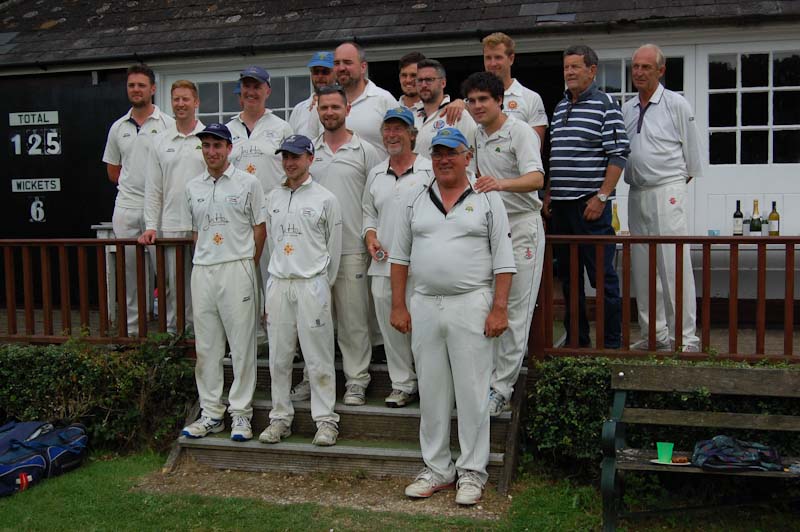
733	301
600	292
27	294
47	291
705	338
11	289
574	332
102	289
761	298
63	275
788	304
83	287
652	250
161	283
678	297
180	288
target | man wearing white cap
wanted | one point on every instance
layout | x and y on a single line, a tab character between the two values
304	119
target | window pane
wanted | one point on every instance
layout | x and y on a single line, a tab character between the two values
786	69
609	78
786	147
230	101
299	89
209	97
673	77
755	70
227	118
754	147
280	114
722	110
786	108
755	111
722	148
722	71
277	99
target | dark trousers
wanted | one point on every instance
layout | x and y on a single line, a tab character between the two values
567	219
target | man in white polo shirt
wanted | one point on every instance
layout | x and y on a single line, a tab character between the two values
177	157
431	81
384	199
305	243
457	241
507	160
126	154
665	156
304	119
368	102
228	222
408	78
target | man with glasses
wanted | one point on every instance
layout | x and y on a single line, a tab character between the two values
304	119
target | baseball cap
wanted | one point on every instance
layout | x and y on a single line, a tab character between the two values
216	130
297	144
255	72
450	137
322	59
401	113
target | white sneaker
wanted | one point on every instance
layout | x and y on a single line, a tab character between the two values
426	484
202	427
399	398
326	435
354	395
661	345
691	348
275	432
301	392
497	403
240	429
470	489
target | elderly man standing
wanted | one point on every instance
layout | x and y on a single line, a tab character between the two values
304	119
665	156
387	186
588	152
458	243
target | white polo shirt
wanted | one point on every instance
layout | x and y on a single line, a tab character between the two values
366	115
428	126
665	146
176	159
223	215
509	152
304	232
524	105
457	252
255	153
304	119
129	145
345	173
384	200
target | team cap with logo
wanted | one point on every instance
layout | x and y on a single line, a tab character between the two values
216	130
321	59
297	144
255	72
450	137
401	113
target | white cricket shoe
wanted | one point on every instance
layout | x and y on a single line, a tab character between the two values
241	429
203	427
470	489
276	431
426	484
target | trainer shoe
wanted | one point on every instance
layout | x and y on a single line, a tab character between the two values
497	403
301	392
240	429
354	395
426	484
643	345
202	427
399	398
326	435
275	432
691	348
470	489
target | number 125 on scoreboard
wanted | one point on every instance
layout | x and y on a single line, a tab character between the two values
39	141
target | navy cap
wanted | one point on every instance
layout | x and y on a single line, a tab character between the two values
297	144
321	59
216	130
401	113
255	72
450	137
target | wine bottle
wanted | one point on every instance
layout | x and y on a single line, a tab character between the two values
738	220
755	220
774	221
615	218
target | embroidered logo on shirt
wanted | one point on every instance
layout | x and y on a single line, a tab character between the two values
528	253
232	199
288	249
170	150
439	124
672	201
251	169
154	131
469	208
512	105
497	149
218	239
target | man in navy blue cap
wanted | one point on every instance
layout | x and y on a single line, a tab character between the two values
228	225
304	118
458	243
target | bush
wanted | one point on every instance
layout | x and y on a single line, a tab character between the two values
132	398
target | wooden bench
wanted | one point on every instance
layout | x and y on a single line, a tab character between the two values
618	457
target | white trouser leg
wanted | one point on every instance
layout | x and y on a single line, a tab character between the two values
209	341
263	265
351	299
129	223
527	234
396	344
281	306
170	256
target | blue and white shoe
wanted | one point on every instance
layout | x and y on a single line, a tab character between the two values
203	427
240	429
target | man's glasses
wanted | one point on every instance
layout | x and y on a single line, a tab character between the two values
426	81
440	156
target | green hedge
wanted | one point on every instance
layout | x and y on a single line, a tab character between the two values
131	398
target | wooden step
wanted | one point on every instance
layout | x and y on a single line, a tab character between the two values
298	455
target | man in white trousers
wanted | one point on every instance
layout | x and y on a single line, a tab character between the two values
304	226
126	155
228	225
385	194
177	157
665	156
508	161
458	244
304	119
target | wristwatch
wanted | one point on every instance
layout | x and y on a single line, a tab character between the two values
602	197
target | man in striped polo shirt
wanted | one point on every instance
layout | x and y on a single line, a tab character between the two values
589	148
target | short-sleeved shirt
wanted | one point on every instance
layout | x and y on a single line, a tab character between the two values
509	152
224	213
524	104
304	232
129	145
455	252
366	115
385	200
254	151
304	119
176	159
428	126
345	173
